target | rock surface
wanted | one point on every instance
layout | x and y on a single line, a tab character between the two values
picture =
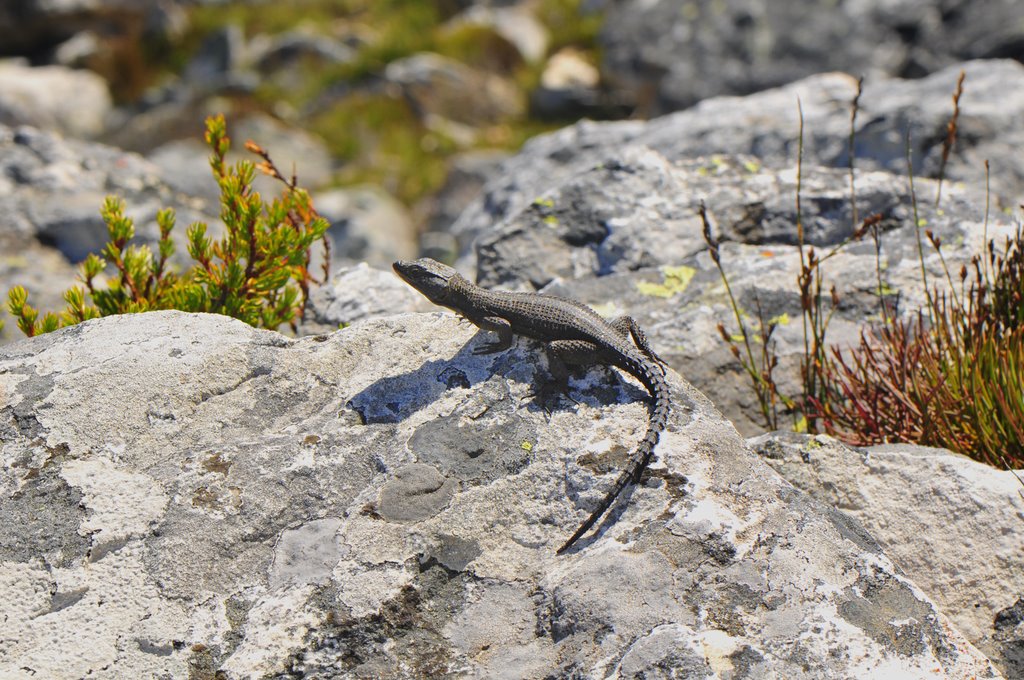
192	495
624	236
669	55
367	225
355	293
39	96
766	125
952	522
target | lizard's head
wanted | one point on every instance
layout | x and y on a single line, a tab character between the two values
429	277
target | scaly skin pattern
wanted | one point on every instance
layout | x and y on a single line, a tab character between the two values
574	333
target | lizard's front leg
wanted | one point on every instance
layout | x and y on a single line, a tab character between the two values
500	326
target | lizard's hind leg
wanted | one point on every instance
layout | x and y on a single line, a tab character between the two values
563	354
629	328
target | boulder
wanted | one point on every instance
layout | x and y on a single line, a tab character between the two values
951	522
668	55
451	92
367	224
39	96
356	293
766	126
51	192
54	188
609	213
625	237
190	496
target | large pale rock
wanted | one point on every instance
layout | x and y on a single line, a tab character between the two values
609	213
193	496
951	522
54	98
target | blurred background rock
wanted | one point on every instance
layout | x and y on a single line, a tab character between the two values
408	102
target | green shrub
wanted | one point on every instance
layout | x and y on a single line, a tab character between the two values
257	272
952	376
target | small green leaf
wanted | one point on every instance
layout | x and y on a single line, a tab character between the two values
165	219
74	296
16	299
92	266
50	323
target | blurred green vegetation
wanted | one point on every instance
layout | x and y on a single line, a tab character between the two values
569	26
373	129
403	22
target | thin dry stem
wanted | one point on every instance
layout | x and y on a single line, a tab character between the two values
951	129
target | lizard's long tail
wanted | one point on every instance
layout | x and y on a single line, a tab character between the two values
659	409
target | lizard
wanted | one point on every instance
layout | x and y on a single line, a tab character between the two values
573	333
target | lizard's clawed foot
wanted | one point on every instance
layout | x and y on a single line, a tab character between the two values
487	348
549	393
